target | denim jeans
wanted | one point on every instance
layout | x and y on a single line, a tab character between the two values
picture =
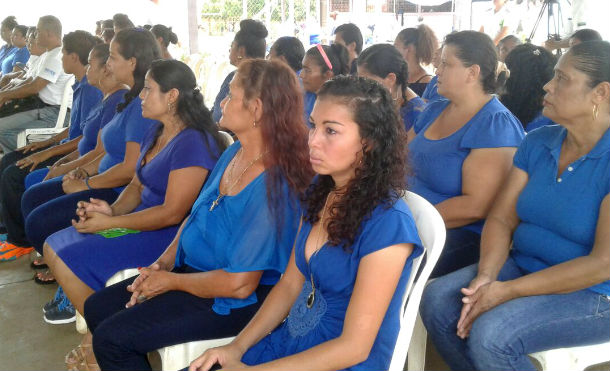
501	338
12	125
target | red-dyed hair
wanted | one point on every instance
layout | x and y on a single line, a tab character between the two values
282	125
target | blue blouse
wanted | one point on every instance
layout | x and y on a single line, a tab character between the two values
558	213
240	234
431	93
5	50
334	271
84	98
222	93
126	126
308	102
437	164
188	148
539	122
411	111
99	116
14	56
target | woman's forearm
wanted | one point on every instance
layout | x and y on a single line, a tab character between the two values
149	219
128	200
460	211
217	283
64	148
272	312
168	258
495	246
576	274
92	166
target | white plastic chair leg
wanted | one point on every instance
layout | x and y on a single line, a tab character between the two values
416	358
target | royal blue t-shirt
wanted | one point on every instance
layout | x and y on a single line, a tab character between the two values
126	126
539	122
431	93
308	103
558	213
222	93
99	116
188	148
437	164
13	56
84	98
410	111
334	270
240	234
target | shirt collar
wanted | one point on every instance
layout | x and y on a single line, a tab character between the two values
601	148
78	84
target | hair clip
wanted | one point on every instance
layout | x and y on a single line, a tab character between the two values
196	90
536	52
324	56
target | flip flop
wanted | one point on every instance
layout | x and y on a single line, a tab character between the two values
33	264
41	281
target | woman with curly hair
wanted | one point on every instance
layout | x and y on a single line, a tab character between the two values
236	242
530	68
341	293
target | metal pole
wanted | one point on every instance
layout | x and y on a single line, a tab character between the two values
244	9
193	26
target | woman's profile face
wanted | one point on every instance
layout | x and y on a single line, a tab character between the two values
155	103
18	39
335	146
94	70
567	94
235	115
451	72
312	75
121	68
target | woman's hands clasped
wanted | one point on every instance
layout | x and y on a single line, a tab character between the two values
93	216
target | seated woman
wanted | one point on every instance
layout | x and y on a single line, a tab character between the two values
90	145
321	63
175	160
341	294
164	36
417	47
384	64
249	42
6	30
290	50
531	67
16	165
461	148
49	206
236	242
551	289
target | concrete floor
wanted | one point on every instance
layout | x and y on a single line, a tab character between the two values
29	343
26	341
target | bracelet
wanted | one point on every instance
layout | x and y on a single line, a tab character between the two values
87	183
86	172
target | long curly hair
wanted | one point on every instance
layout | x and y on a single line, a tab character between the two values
530	68
284	131
380	178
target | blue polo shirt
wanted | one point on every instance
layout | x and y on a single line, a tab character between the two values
558	213
99	116
431	93
538	122
84	98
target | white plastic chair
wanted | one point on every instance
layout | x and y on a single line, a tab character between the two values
36	135
432	233
573	359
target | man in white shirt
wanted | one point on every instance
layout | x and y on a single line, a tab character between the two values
47	82
498	21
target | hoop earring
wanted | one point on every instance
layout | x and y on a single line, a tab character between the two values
595	111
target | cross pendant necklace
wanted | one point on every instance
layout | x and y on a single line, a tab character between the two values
215	202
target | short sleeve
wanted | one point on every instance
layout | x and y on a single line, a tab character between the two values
498	129
390	227
22	55
136	126
50	69
520	159
192	150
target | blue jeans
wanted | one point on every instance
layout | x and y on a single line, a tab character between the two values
501	338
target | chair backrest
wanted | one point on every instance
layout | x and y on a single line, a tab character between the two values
432	233
63	108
